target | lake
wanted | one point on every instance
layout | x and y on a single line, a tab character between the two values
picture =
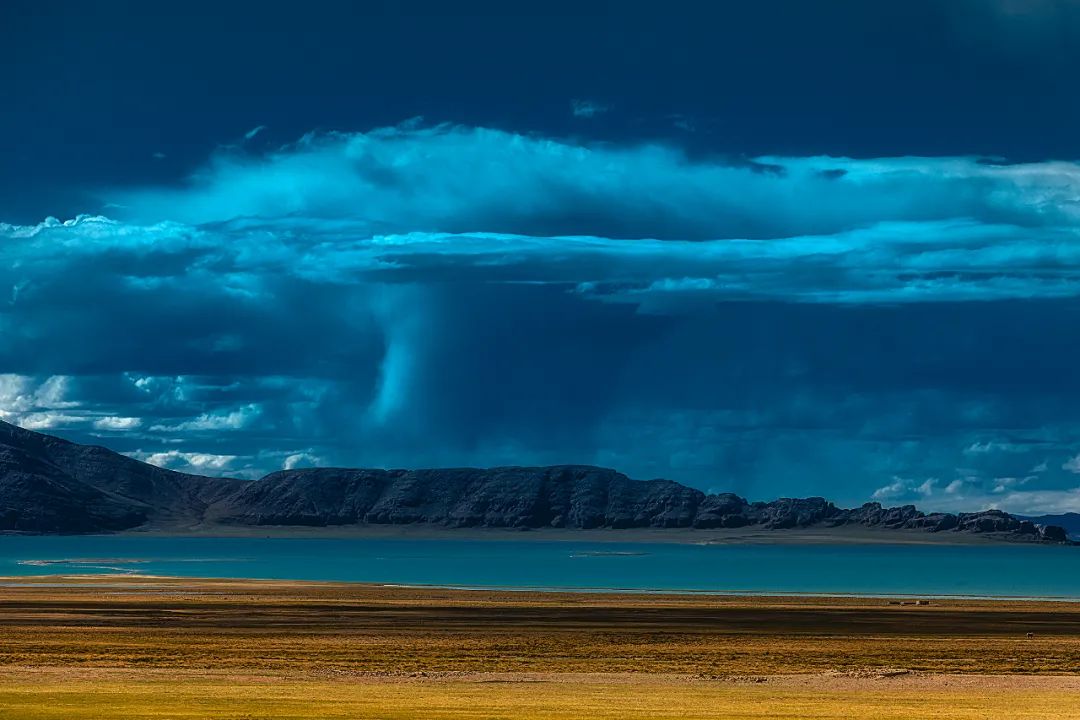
924	570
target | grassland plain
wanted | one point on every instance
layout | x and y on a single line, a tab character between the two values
138	647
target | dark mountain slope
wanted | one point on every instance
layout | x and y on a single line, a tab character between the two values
144	492
51	485
560	496
36	496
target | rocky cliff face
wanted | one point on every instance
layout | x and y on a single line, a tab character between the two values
49	485
562	496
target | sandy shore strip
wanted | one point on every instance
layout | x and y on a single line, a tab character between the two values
843	535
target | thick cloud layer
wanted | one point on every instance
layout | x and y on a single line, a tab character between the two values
898	328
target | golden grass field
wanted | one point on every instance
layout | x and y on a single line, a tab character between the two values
130	647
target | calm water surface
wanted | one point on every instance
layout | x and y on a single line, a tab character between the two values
979	570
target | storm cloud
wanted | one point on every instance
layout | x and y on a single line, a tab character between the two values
442	295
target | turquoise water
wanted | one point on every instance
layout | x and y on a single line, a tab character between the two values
926	570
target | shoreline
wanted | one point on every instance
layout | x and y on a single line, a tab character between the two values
73	580
842	535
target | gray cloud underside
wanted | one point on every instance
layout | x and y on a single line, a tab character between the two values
452	295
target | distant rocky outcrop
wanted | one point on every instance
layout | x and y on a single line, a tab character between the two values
1070	522
49	485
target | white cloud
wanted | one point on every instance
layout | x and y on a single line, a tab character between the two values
897	488
53	393
1039	502
22	392
1072	464
927	487
962	496
1005	484
906	489
46	420
16	394
37	404
955	487
190	461
114	422
298	460
232	420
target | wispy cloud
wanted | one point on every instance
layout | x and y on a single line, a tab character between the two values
214	422
587	108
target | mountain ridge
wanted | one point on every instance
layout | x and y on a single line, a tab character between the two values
51	485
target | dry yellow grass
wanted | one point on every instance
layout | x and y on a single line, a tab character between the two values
293	627
158	648
141	696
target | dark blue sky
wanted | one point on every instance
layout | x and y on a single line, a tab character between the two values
94	90
773	247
